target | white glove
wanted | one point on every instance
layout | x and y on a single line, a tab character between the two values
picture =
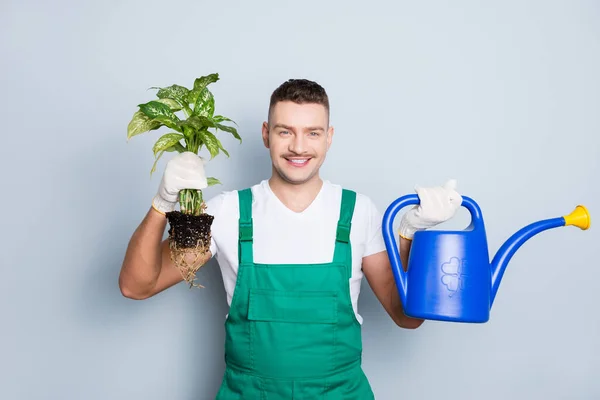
436	205
184	171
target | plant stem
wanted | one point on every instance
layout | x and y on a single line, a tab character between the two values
190	201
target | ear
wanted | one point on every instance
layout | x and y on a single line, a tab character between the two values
330	133
265	134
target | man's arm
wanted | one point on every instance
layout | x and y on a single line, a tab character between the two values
436	205
147	268
378	271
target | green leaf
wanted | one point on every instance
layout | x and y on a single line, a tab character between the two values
205	104
229	129
141	123
157	110
178	147
212	181
222	148
212	143
218	143
175	92
173	105
156	158
166	141
207	121
199	85
199	123
170	123
162	113
220	118
204	81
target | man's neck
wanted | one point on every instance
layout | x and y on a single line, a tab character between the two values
296	197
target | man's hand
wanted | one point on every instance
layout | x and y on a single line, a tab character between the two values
184	171
437	204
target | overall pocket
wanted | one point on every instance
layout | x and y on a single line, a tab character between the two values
293	333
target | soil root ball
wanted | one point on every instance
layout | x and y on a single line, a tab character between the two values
189	241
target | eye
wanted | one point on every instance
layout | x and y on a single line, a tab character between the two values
283	132
314	133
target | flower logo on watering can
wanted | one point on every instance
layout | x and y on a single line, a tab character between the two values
453	278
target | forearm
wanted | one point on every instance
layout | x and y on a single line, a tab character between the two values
400	318
143	259
404	252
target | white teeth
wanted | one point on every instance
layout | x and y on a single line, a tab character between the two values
299	161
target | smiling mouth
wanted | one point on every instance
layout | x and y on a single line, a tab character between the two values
298	162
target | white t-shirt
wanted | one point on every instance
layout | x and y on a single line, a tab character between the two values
281	235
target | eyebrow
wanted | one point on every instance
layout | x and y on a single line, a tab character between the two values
310	128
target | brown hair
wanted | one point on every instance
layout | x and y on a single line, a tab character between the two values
300	91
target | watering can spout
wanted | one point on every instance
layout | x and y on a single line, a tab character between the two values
579	217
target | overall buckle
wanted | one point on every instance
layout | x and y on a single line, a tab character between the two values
343	233
245	233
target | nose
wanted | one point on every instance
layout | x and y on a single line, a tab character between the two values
297	144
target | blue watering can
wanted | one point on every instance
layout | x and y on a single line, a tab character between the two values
450	277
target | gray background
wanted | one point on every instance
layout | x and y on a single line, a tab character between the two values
502	96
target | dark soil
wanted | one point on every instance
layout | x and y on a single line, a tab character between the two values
190	231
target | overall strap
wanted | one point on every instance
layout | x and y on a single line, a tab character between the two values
342	251
245	227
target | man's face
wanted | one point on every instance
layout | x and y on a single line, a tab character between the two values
298	137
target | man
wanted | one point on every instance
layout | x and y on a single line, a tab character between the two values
292	251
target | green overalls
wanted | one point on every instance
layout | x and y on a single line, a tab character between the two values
291	332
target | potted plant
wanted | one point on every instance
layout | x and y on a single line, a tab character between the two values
190	227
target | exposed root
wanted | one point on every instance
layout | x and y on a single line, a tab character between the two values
189	260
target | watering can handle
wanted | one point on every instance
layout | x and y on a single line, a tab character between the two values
389	238
475	211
